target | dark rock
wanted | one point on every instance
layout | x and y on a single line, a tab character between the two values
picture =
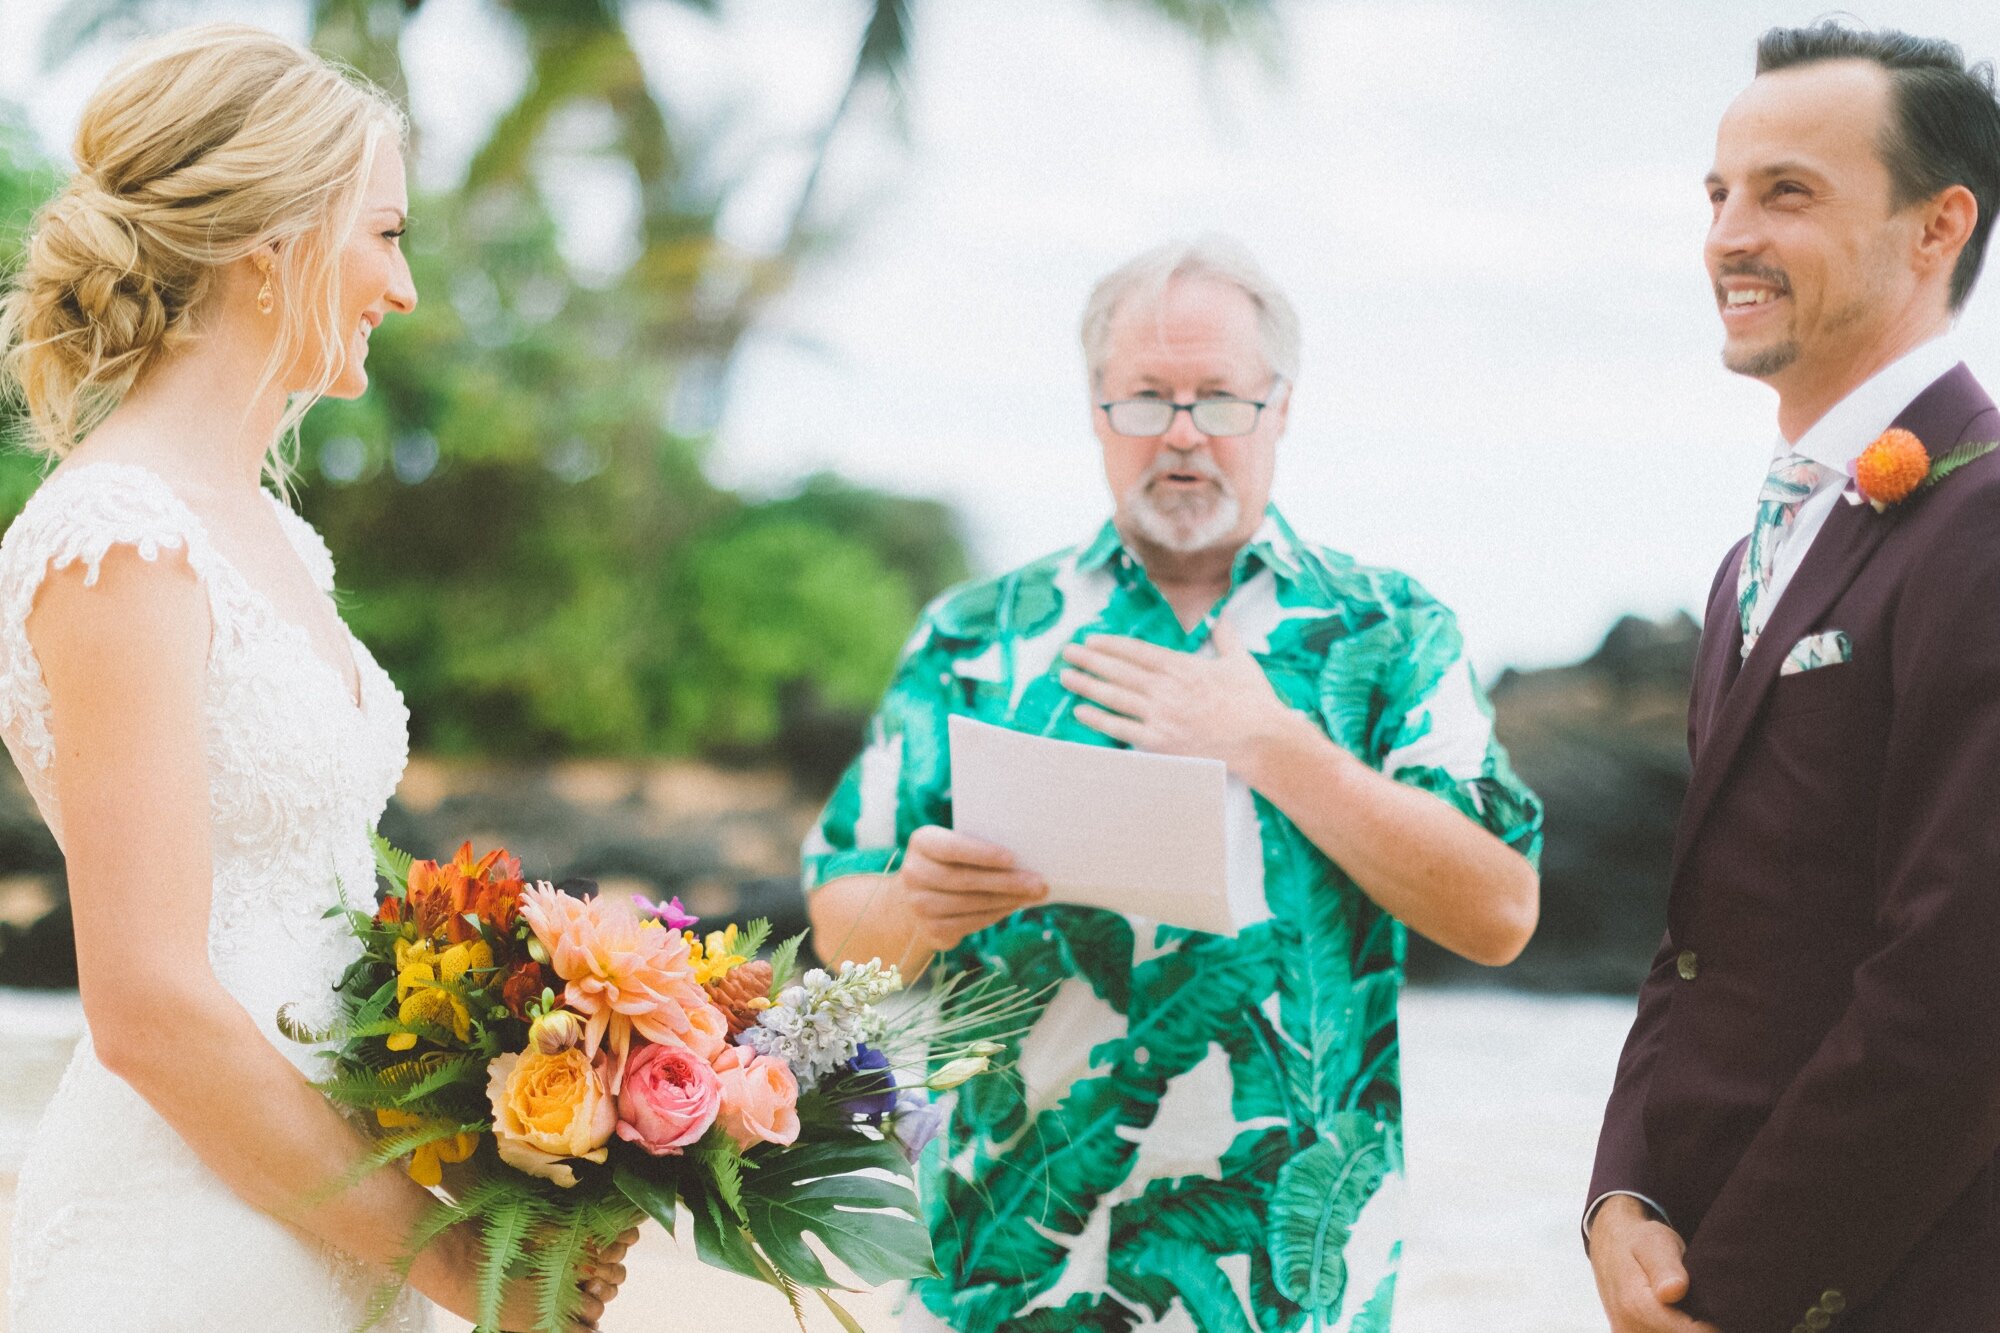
1604	743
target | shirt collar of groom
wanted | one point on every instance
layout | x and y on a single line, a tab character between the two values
1837	439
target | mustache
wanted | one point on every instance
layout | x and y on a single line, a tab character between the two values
1199	464
1761	272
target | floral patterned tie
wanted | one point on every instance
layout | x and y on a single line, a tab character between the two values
1791	480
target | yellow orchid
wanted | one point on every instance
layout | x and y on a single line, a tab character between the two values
713	957
424	977
427	1162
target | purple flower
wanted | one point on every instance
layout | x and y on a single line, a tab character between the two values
671	914
872	1066
916	1122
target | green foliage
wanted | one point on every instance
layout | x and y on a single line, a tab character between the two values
1969	451
870	1224
785	964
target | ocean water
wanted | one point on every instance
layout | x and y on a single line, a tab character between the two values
1502	1098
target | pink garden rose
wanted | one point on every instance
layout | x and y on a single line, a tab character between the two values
669	1100
760	1098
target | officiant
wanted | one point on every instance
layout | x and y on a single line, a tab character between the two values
1199	1130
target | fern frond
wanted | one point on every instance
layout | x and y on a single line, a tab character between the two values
1968	452
504	1233
723	1162
751	939
390	863
785	964
556	1264
299	1032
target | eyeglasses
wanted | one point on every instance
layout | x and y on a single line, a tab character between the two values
1221	417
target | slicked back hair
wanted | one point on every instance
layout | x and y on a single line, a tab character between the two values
1944	124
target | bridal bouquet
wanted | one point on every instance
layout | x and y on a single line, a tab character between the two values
579	1061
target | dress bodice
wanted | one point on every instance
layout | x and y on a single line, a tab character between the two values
298	775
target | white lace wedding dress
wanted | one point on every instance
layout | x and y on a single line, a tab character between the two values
118	1225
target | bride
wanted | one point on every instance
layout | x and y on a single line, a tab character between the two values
207	741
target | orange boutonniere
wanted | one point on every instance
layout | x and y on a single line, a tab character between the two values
1896	466
1891	468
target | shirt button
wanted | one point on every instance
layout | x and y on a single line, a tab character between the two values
1688	965
1832	1302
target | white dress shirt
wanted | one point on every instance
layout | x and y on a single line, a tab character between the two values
1836	440
1833	442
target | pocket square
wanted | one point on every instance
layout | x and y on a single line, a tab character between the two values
1829	648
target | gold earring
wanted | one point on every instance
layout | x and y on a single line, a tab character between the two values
267	300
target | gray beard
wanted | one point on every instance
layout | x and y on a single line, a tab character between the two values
1184	528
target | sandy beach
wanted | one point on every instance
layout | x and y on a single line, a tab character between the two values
1503	1094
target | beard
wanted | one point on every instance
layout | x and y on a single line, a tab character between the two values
1762	362
1183	521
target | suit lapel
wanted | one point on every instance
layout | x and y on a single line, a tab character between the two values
1850	535
1721	650
1844	543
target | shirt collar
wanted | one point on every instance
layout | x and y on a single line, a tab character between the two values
1273	545
1854	423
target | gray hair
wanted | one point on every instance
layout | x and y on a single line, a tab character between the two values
1211	255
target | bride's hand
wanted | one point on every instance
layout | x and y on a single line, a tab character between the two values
448	1273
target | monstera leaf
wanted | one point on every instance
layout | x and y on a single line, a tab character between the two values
1319	1196
868	1223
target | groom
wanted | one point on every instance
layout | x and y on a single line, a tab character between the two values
1804	1129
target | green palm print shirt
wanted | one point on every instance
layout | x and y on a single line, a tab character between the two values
1198	1131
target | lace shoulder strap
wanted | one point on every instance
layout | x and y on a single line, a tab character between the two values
77	518
306	541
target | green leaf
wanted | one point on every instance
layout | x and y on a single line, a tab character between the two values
655	1198
840	1315
390	863
718	1155
1967	452
751	939
870	1224
503	1247
557	1263
785	964
718	1241
1319	1197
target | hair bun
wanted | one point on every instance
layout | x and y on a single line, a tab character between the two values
93	297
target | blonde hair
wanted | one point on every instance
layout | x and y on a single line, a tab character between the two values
201	148
1212	255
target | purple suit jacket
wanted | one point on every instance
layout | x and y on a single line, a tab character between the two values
1812	1086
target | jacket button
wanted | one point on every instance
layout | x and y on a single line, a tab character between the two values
1817	1320
1688	965
1832	1302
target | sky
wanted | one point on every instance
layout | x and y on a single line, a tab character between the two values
1488	213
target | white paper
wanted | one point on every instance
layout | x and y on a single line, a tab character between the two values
1142	834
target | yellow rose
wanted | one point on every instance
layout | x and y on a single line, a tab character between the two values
547	1108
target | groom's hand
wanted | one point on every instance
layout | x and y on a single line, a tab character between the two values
954	885
1640	1276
